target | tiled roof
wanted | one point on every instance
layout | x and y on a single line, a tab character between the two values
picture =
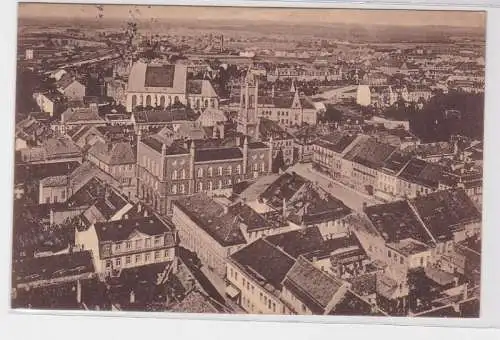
396	221
337	142
396	162
209	215
52	267
163	116
445	211
207	155
352	304
80	114
313	287
201	87
165	79
54	181
113	154
38	171
284	187
298	242
194	302
265	263
423	173
315	206
159	76
60	147
120	230
364	284
371	154
174	148
269	128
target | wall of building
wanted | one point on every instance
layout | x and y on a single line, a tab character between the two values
254	298
52	194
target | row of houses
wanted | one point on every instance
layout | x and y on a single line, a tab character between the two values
385	171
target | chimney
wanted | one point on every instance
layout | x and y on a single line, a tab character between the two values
78	291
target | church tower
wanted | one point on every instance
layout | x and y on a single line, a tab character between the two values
248	119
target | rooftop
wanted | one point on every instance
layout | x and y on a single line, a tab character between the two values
313	287
113	153
115	231
396	221
444	212
265	263
221	224
421	172
336	142
52	267
283	188
206	155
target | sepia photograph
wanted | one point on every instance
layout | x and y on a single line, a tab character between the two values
248	160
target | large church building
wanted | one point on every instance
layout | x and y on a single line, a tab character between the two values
160	85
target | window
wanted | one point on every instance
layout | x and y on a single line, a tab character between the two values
219	171
138	258
263	167
229	181
210	172
253	289
174	174
401	260
389	253
229	170
63	195
274	307
260	296
238	169
118	262
200	172
167	255
117	247
47	200
128	259
230	272
148	257
148	242
183	174
200	186
210	186
157	255
220	184
55	199
108	264
269	304
244	282
129	244
255	167
174	189
138	244
157	241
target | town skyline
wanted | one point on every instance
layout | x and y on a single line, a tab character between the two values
307	16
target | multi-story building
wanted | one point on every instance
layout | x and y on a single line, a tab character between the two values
168	169
329	152
119	161
152	85
128	243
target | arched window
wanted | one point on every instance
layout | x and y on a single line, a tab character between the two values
200	172
148	100
212	103
210	172
169	100
174	174
134	102
141	100
174	189
210	186
162	101
200	186
219	171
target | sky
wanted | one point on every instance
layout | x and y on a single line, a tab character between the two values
289	15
